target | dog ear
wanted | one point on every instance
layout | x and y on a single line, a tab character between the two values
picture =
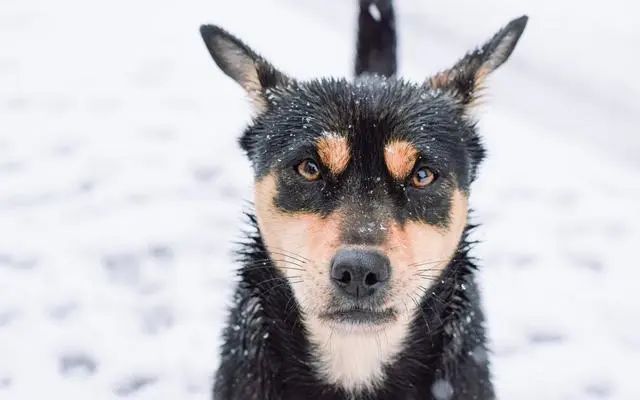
242	64
465	80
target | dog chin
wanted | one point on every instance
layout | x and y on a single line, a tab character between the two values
359	320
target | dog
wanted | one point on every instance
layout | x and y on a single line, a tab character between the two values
356	279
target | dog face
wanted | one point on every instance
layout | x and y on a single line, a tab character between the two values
362	193
361	187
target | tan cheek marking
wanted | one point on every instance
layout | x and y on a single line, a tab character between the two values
400	157
309	236
417	242
334	152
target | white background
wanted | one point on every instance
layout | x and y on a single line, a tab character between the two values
122	187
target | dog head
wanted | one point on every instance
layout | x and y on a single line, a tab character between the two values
361	187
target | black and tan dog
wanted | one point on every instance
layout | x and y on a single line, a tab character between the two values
356	283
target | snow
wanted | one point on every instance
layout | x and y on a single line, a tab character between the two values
122	187
374	12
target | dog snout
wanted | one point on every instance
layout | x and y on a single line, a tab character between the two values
360	273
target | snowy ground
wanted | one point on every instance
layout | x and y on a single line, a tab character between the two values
121	187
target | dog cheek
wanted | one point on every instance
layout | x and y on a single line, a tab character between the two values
313	294
420	252
321	241
301	245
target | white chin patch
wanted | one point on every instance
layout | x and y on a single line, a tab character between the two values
354	359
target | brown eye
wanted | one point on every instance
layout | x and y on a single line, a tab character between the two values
309	170
422	177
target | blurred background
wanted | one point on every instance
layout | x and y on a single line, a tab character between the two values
122	187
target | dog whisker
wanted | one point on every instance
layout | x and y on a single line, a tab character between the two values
430	306
292	253
386	249
259	267
424	318
287	282
277	278
429	278
418	264
270	260
289	254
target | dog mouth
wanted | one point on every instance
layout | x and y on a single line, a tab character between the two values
360	316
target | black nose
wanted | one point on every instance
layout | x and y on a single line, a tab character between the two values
359	273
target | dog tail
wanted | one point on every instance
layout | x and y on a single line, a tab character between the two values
376	52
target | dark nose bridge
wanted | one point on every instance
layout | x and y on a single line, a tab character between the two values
366	217
365	199
366	225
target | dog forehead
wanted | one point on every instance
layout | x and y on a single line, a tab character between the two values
357	122
376	110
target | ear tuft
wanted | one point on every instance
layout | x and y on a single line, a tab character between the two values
499	48
241	64
466	78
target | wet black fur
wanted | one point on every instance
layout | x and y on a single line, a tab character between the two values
266	354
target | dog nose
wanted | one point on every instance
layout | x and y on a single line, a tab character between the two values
360	273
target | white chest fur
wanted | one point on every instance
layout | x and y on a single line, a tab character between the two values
355	360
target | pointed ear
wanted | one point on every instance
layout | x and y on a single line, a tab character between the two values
242	64
466	79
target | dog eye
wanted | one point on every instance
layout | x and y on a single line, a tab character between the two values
309	170
422	177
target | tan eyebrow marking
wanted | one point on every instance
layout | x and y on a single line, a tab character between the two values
400	157
334	152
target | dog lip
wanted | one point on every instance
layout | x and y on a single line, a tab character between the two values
360	316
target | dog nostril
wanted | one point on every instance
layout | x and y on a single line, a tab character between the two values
359	273
371	279
345	278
